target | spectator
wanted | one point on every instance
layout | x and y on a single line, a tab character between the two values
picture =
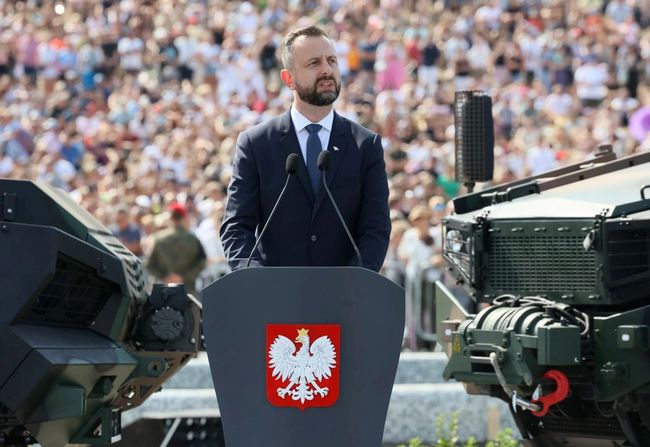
591	79
131	51
393	265
417	248
390	64
428	68
71	149
127	232
558	104
208	234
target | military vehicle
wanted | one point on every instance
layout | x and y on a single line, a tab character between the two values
559	268
81	340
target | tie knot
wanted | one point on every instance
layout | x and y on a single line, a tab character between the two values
313	128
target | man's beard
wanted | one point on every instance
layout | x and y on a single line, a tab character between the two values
314	97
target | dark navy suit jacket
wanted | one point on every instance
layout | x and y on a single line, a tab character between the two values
305	230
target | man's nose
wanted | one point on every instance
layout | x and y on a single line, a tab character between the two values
326	68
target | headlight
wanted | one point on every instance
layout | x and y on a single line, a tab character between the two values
454	240
459	249
457	242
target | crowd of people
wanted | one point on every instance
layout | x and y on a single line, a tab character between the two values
135	105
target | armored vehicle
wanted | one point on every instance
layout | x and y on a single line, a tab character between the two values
559	268
80	337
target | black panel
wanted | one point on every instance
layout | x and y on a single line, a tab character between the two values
73	298
628	253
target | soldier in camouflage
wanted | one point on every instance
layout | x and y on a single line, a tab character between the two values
177	255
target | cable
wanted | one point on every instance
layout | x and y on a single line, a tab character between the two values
571	314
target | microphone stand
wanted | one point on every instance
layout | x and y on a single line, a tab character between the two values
324	166
291	167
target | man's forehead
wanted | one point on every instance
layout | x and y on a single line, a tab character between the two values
312	46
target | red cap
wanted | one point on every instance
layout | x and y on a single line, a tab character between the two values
178	210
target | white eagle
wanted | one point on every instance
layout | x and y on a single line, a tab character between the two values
304	367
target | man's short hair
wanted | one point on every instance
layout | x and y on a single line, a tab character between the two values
289	39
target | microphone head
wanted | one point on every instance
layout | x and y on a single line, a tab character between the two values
324	160
291	166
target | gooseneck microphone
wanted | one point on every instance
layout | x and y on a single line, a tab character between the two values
323	166
291	167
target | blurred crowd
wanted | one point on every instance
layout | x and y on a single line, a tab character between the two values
134	105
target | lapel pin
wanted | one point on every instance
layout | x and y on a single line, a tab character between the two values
335	148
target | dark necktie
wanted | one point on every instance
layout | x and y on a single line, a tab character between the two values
314	148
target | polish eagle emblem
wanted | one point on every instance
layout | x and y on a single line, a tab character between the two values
313	363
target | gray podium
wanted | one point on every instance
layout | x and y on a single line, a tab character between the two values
239	309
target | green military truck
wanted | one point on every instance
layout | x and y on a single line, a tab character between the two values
558	267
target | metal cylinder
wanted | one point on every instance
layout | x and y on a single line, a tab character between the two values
522	320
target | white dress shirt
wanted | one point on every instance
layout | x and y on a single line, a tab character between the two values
300	123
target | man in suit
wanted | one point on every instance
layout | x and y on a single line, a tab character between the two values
305	230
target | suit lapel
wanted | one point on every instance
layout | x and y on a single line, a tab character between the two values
289	143
337	147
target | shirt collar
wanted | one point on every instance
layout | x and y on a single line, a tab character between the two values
300	121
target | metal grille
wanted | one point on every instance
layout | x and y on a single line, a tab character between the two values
541	264
133	266
474	136
628	252
73	298
595	425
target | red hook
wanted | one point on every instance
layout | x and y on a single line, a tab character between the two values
560	393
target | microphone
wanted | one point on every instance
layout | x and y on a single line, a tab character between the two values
291	167
323	166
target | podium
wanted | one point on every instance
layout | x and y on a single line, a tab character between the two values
243	313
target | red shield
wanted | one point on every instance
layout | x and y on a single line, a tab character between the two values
302	364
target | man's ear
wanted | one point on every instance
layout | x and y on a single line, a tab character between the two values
287	78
